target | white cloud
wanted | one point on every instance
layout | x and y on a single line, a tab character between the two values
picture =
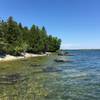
78	46
70	46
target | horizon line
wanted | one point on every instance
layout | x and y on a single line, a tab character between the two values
82	49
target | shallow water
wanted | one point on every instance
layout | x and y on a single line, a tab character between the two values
43	79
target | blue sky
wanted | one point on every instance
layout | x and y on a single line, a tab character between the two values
76	22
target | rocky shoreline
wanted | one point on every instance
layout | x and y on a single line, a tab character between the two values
8	57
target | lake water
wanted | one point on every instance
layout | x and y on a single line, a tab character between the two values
42	78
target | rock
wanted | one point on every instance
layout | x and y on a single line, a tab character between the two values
51	69
62	60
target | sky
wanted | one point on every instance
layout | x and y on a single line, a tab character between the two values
76	22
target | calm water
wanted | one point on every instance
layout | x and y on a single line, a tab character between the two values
43	79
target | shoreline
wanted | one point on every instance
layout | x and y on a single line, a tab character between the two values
27	55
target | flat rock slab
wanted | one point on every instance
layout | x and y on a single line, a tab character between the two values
51	69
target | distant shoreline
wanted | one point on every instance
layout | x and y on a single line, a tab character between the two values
80	49
8	57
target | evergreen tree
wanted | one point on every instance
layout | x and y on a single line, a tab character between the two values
12	36
15	38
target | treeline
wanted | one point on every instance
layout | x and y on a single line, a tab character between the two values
16	38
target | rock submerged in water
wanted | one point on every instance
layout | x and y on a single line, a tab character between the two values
61	60
10	79
62	53
51	69
35	65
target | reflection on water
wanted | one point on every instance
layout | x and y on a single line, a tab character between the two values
44	79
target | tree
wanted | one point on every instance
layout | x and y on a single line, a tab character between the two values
16	38
53	43
3	30
44	39
12	36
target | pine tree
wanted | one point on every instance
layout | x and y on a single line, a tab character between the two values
15	38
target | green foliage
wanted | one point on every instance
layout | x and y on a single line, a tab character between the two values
53	43
15	38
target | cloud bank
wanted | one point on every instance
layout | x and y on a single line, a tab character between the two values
70	46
